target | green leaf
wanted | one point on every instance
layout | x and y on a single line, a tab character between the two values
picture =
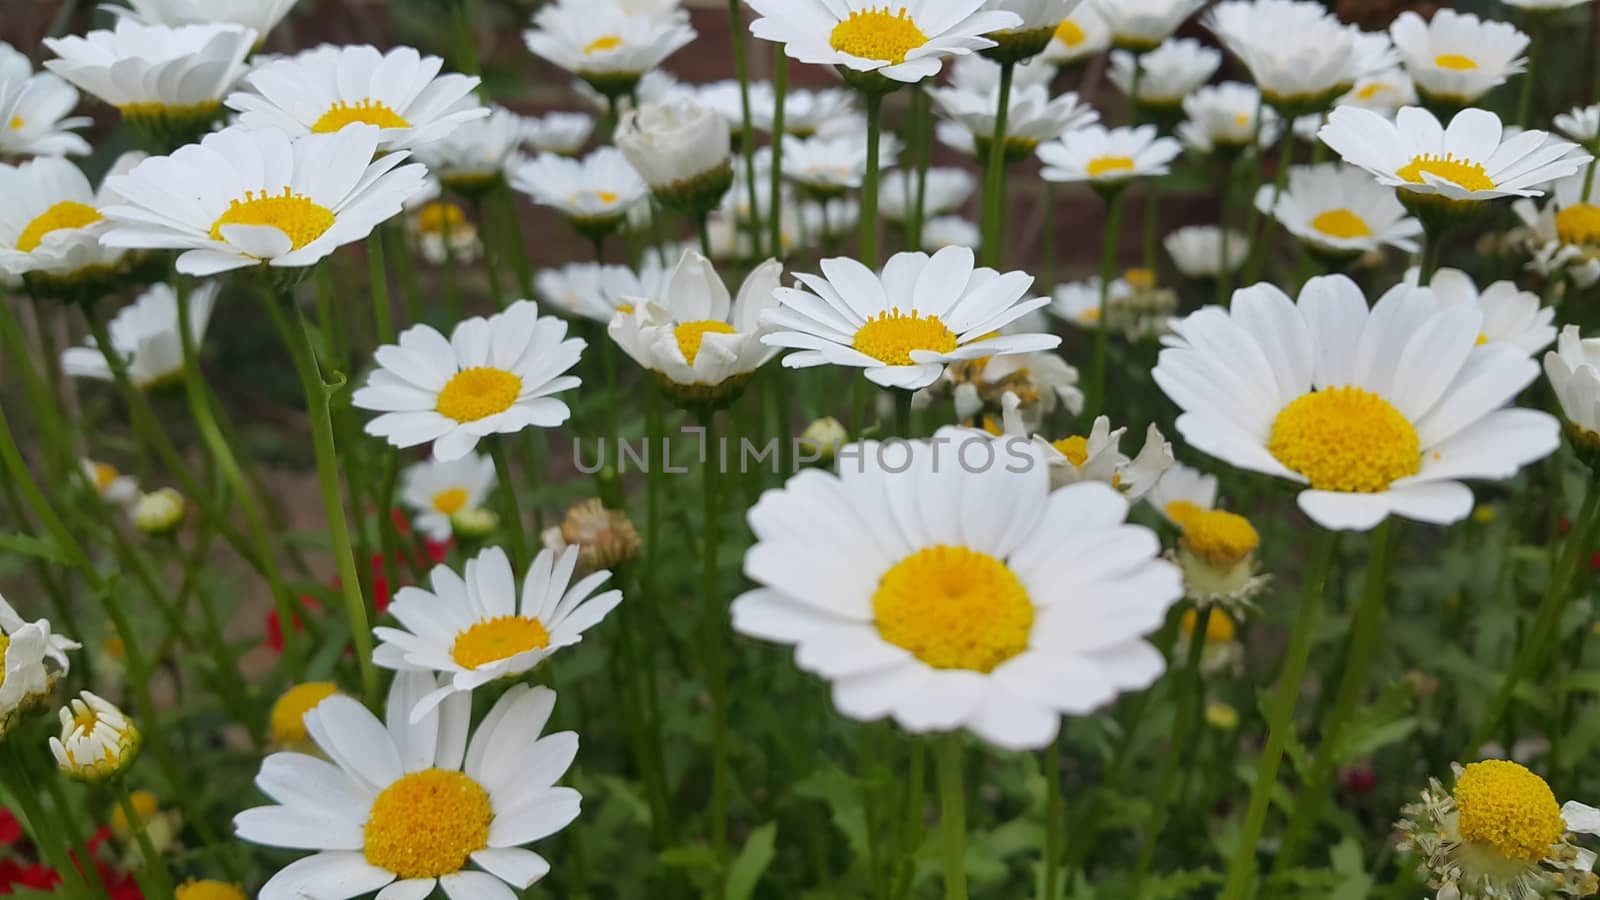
27	545
752	862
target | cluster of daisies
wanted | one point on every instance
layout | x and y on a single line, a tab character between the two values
989	579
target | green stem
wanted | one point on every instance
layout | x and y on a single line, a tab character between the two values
378	274
869	186
702	225
1053	814
1530	75
510	510
41	399
995	180
953	816
747	138
155	867
466	51
1224	274
1432	239
1242	865
511	226
1259	236
1108	271
1048	267
318	392
922	123
780	87
1152	214
409	290
714	625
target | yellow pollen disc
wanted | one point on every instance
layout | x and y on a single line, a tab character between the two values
1341	223
491	640
1459	172
64	215
427	824
4	643
208	890
15	124
1346	439
450	501
625	308
369	112
145	806
1221	538
1502	805
954	608
1372	90
437	216
296	216
606	197
1090	316
289	712
1074	448
1579	224
1241	119
603	43
1069	33
1140	279
1219	628
890	337
1482	339
1455	61
1180	511
477	393
1103	166
104	475
691	334
878	34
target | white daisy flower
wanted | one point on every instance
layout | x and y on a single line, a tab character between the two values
565	133
473	157
97	742
33	111
1079	36
1458	57
1136	307
1141	25
1564	234
1286	388
957	595
401	92
145	335
1097	456
950	231
604	44
439	228
805	111
243	197
1041	382
828	220
867	39
597	292
979	74
493	376
1078	302
52	222
1300	56
113	487
1384	92
1574	372
1471	160
1510	315
1033	117
1181	484
692	336
904	326
167	82
595	193
656	87
1544	6
830	167
437	490
261	16
726	99
1339	211
683	152
946	190
1221	118
471	628
1108	158
403	805
1167	74
1582	124
32	659
1198	251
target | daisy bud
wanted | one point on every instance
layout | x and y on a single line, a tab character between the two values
823	438
98	743
1217	551
683	151
287	720
1221	716
1574	372
159	513
474	523
605	538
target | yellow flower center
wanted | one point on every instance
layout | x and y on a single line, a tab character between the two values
427	824
1241	119
1579	224
370	112
890	337
1372	90
64	215
1106	166
625	308
1089	316
294	215
1069	33
1223	539
691	334
208	890
477	393
1502	805
145	806
4	643
1219	628
1460	172
1345	439
878	34
491	640
104	475
1341	223
954	608
289	712
1140	279
438	216
450	500
1075	448
16	123
602	44
1455	61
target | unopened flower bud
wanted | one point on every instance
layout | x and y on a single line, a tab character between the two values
474	523
823	438
606	538
159	512
97	743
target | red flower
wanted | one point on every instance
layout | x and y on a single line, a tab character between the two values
1359	779
275	626
39	876
10	828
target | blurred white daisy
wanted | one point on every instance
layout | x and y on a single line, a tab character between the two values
493	376
51	225
1040	19
476	627
1199	250
597	292
472	158
1544	6
805	111
1574	372
565	133
1221	119
1285	388
1108	158
1181	484
866	39
1167	74
32	660
594	193
1096	456
904	326
1581	123
683	152
1032	117
245	197
436	490
1564	233
1079	302
607	46
1141	25
945	191
1299	55
33	111
145	335
261	16
439	228
950	231
726	100
1040	382
404	804
110	485
1082	34
655	87
1385	91
1340	212
996	619
1458	57
1510	315
400	92
829	167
